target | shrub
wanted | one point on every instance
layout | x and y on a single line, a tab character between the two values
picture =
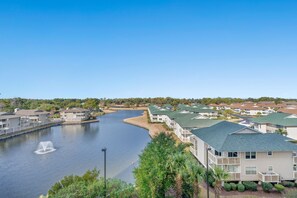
233	186
267	187
279	187
288	184
227	187
240	188
250	185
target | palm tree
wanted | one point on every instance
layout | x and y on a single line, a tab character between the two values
282	132
176	166
219	175
196	175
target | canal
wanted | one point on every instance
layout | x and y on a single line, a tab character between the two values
26	174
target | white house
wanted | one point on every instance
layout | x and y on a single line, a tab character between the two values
246	154
75	115
273	122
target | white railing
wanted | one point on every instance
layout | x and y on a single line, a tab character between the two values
218	160
234	177
295	159
269	177
295	174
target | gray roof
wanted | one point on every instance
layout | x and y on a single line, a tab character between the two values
7	116
30	112
227	136
75	110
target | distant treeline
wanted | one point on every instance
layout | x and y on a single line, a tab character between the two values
96	103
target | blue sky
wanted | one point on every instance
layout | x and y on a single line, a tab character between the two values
108	48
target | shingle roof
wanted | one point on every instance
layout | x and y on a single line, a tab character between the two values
282	119
189	121
155	110
75	110
30	112
227	136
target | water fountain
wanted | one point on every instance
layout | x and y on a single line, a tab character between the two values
45	147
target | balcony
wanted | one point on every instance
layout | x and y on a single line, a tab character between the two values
234	177
295	159
218	160
295	174
268	177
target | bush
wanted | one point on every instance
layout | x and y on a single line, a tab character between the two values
240	188
233	186
279	187
267	187
288	184
250	185
227	187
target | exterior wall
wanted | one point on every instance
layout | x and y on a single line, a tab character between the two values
282	163
73	117
292	132
260	127
199	149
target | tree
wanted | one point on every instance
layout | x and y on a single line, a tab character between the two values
176	164
282	132
195	174
219	175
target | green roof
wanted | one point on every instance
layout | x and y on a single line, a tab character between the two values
155	110
197	108
232	137
282	119
189	121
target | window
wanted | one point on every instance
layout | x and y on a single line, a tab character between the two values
270	169
252	170
232	169
217	153
232	154
295	167
250	155
269	153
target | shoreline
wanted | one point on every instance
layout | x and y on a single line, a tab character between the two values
142	122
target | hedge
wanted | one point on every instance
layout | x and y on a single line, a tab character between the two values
240	188
279	187
250	185
233	186
227	187
267	187
288	184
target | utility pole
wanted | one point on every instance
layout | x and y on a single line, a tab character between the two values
207	183
105	190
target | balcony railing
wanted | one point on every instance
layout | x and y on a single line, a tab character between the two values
295	159
295	174
234	177
269	177
218	160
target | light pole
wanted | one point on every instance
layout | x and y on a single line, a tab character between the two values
104	150
207	183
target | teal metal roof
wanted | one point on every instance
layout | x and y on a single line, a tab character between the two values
231	137
188	121
282	119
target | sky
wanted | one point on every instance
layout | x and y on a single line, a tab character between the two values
148	48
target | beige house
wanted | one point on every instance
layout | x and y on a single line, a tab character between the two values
9	123
245	153
32	117
75	115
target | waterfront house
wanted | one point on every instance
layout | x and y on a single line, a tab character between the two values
32	117
75	115
157	114
277	121
9	123
245	153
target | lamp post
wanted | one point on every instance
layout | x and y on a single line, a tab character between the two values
207	184
104	150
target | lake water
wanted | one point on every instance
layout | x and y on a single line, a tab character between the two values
24	174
